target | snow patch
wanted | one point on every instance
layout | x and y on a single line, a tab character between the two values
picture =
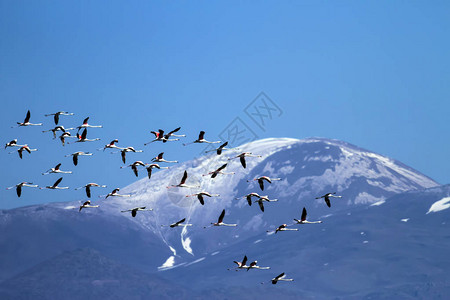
378	203
168	263
440	205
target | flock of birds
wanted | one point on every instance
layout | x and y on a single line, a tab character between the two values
160	136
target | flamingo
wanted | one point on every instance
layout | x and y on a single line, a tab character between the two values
220	221
22	148
20	185
87	204
57	114
281	277
261	181
111	145
56	170
134	166
262	199
82	138
284	227
151	167
57	128
160	158
177	224
249	197
55	186
303	219
171	133
201	195
88	188
241	265
65	135
115	194
182	182
220	149
136	209
327	196
219	171
201	139
242	157
12	143
254	265
124	151
26	122
76	154
86	125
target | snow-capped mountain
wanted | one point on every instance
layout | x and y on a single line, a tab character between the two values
308	168
370	185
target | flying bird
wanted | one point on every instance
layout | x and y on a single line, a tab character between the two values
327	196
76	154
242	157
151	167
220	221
12	143
303	219
183	182
115	193
124	151
219	171
55	186
160	158
264	199
134	166
83	137
57	128
262	179
136	209
178	224
26	122
281	277
249	197
57	114
20	185
56	170
201	139
167	136
201	195
87	204
220	149
86	125
23	148
111	145
88	186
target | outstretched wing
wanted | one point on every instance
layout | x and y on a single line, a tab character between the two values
327	201
244	261
88	191
173	131
75	159
201	135
249	200
183	180
19	190
57	182
219	150
220	220
27	118
56	118
84	134
85	121
221	168
243	163
181	221
261	184
133	213
261	205
200	198
123	154
57	166
149	172
135	170
303	218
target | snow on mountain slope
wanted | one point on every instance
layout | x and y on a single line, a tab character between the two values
308	168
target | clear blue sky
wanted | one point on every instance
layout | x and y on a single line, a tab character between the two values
372	73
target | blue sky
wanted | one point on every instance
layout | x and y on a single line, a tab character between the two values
372	73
